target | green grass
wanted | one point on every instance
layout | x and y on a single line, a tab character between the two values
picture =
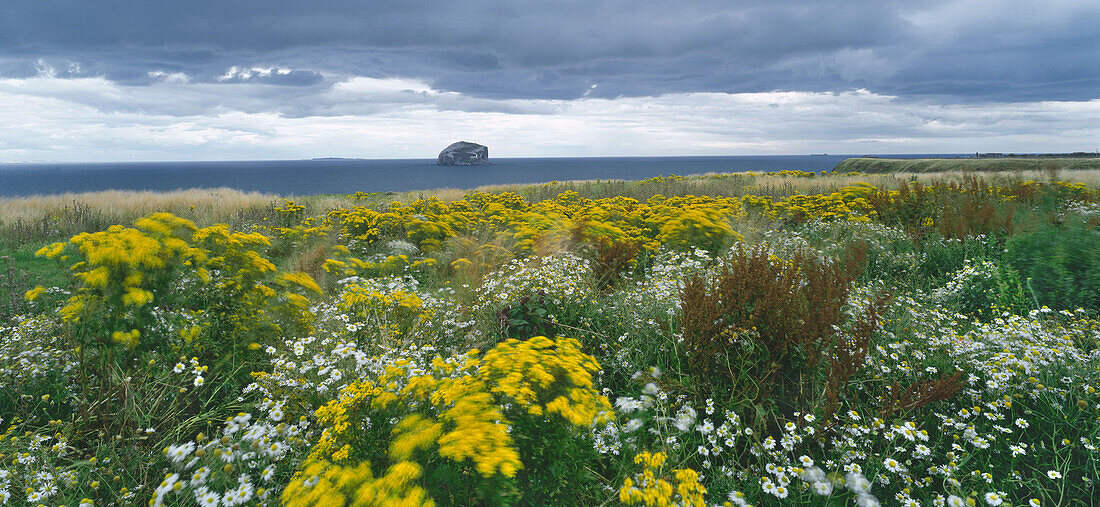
21	271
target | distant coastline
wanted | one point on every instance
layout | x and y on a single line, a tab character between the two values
342	175
325	175
1076	154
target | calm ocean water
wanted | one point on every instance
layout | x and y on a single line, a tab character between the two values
305	177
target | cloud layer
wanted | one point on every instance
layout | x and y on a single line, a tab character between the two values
94	119
983	49
217	79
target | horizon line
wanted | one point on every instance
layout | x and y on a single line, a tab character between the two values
323	159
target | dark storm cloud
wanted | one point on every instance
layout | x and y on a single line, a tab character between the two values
966	51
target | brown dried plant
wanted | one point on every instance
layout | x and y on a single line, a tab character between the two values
760	320
898	401
849	354
955	209
610	259
312	261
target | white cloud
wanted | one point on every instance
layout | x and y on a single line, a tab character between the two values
367	85
44	69
169	77
93	119
246	73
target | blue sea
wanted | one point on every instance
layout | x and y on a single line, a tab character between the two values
333	176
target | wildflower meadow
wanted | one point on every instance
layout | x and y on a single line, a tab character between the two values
686	341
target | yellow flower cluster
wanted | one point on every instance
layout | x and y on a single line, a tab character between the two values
459	410
234	253
343	264
118	262
524	227
1078	191
126	339
359	296
299	279
795	173
394	313
652	489
702	227
121	270
324	484
290	210
722	176
663	179
34	293
428	234
545	377
310	229
849	203
366	224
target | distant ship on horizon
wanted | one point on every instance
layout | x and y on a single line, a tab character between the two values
819	154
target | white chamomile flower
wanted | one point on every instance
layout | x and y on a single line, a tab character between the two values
210	498
768	487
178	453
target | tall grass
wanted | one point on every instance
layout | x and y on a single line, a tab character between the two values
42	217
208	203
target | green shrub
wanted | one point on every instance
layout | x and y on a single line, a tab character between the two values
1060	265
892	256
942	257
982	289
527	318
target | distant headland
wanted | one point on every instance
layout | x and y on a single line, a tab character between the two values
981	163
1076	154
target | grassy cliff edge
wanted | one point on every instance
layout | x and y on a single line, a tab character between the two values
929	165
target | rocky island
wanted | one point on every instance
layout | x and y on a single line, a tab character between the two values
464	153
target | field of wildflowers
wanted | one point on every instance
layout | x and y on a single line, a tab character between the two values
895	342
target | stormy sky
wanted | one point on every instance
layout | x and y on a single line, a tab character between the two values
113	80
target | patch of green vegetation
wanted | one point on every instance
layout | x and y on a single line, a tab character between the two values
20	271
946	165
1060	264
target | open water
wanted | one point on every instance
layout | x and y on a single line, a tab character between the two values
331	176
